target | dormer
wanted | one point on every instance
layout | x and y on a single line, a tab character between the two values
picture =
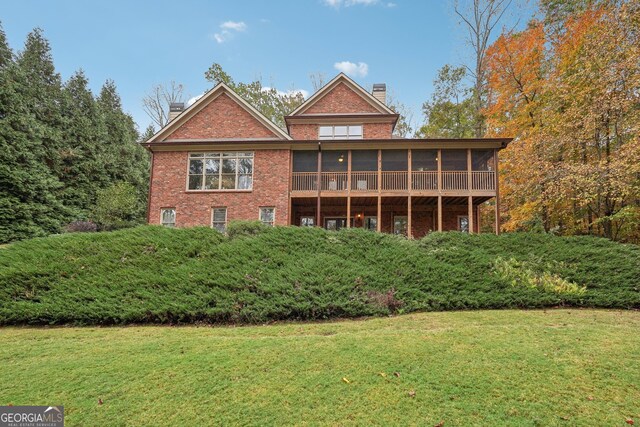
343	110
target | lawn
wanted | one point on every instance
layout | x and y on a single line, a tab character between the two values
510	367
258	274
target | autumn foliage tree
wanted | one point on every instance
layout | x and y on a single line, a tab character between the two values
570	95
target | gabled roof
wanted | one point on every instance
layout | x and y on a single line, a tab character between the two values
342	78
208	97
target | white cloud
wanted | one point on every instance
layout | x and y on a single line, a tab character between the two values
346	3
391	4
231	25
360	69
304	93
191	101
228	29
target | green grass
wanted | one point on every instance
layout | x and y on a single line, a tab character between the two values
526	368
258	274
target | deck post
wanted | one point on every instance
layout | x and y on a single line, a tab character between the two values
469	166
379	218
439	212
471	230
496	183
409	188
319	184
439	189
349	189
291	219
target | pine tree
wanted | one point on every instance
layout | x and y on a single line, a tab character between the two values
125	160
83	171
28	203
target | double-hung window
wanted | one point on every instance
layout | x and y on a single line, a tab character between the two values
268	215
340	132
168	217
219	219
221	171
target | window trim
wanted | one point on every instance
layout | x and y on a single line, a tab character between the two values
175	216
226	217
308	216
260	215
458	223
364	222
333	131
219	190
406	217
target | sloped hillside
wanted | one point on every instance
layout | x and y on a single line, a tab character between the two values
257	274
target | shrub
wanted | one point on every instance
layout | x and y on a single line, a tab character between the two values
244	228
533	275
116	207
386	300
153	274
81	227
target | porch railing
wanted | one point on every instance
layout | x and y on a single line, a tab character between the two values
364	181
483	180
424	180
304	181
334	181
455	180
394	181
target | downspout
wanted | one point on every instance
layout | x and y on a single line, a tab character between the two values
149	193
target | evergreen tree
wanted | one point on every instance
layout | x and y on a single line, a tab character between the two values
124	160
43	96
28	203
83	172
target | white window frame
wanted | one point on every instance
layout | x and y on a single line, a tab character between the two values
313	219
347	136
468	223
406	217
175	217
220	156
268	223
368	217
214	222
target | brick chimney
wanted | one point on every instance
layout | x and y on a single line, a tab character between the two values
380	92
175	108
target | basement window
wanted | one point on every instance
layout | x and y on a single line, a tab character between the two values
268	215
220	171
219	219
168	217
340	132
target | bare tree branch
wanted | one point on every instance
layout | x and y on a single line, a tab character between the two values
156	102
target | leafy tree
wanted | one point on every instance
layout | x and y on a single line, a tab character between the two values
570	98
480	18
450	112
268	100
116	206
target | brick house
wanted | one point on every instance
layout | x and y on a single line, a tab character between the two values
336	165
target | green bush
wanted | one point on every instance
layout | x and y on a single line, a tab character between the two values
259	274
116	207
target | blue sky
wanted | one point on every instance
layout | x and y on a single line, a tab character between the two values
140	43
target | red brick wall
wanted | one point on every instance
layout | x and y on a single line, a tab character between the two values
270	188
341	99
222	118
